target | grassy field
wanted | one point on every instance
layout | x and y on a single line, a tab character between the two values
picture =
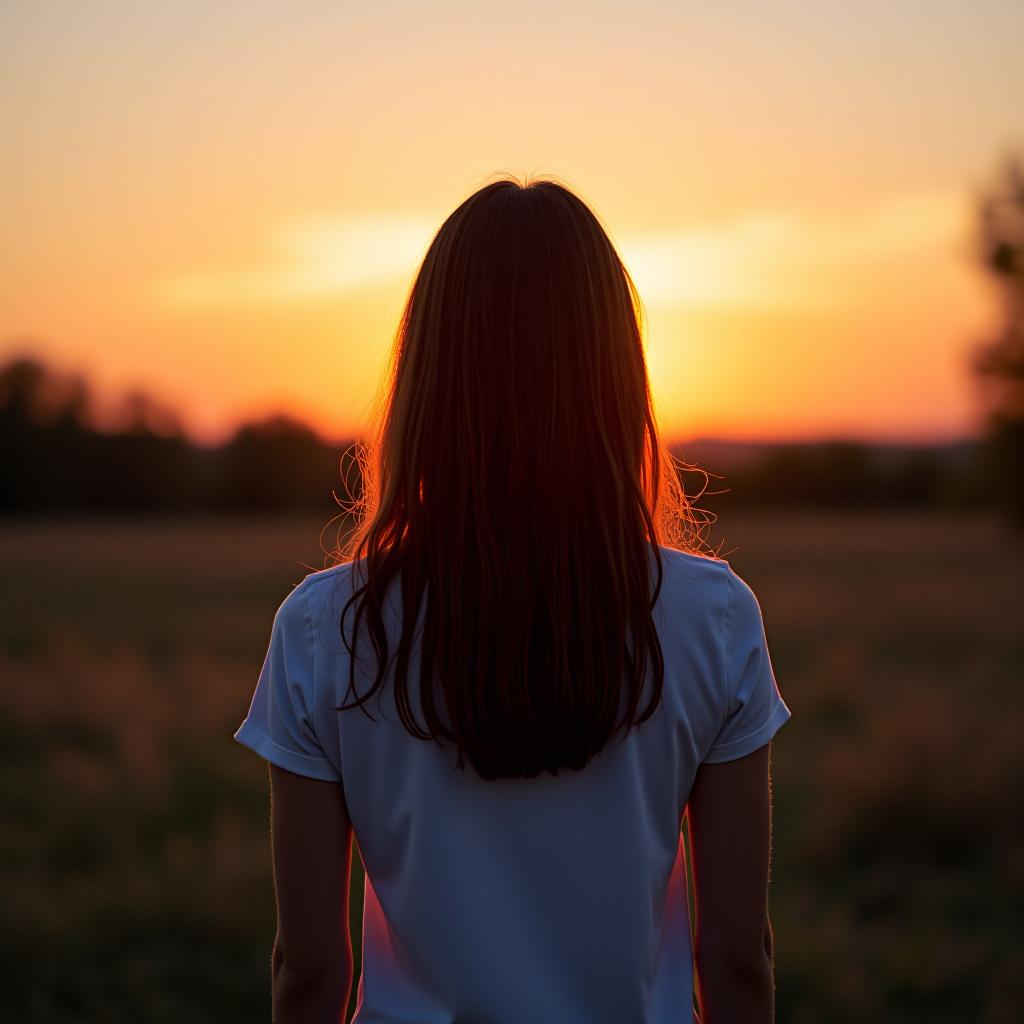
135	881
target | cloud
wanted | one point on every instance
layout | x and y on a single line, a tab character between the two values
310	258
768	259
777	259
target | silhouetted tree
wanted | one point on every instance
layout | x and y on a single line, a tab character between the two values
278	463
999	362
60	463
43	434
137	412
33	394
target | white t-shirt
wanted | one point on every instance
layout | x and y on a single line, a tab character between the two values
554	900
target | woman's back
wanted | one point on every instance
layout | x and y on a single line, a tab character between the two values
557	898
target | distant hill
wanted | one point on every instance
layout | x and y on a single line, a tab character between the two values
835	472
720	455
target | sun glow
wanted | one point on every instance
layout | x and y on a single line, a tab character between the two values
240	236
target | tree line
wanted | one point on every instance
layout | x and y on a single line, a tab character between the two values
60	461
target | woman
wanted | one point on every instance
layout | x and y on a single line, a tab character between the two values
520	674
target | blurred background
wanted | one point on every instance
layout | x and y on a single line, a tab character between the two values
212	215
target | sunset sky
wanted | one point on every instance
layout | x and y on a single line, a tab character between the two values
225	203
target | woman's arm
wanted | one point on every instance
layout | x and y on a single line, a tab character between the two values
730	835
311	842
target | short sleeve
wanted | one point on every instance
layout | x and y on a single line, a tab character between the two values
279	725
755	709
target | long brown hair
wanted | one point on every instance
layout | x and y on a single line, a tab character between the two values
514	475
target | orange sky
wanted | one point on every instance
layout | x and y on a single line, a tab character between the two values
225	203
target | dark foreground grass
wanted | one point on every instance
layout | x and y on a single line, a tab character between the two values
135	882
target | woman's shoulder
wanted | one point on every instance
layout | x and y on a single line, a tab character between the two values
696	565
702	587
332	574
300	611
330	591
693	564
